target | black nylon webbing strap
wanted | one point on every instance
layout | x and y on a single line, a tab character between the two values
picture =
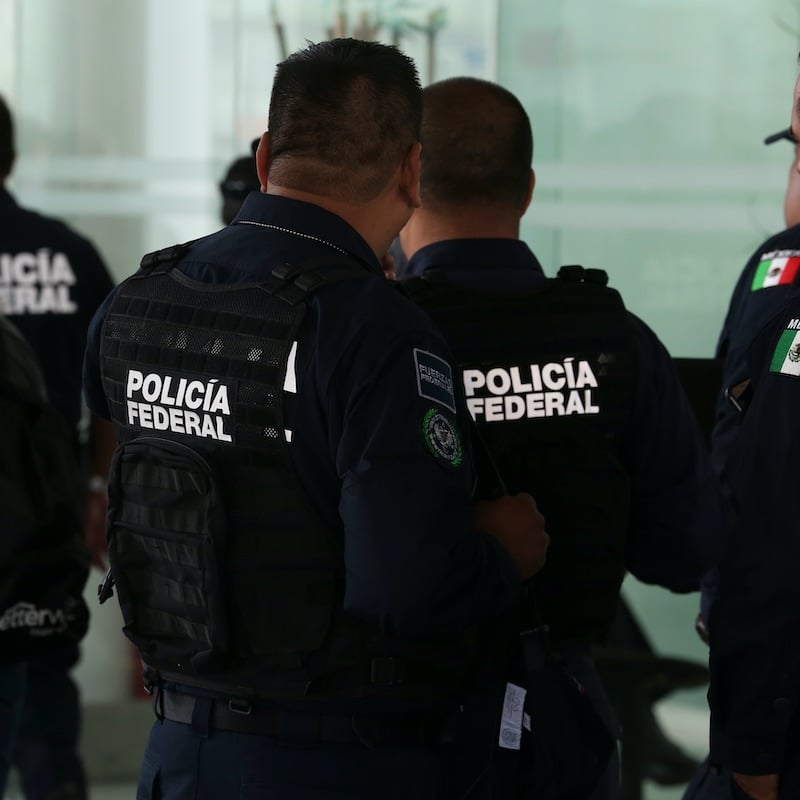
386	730
293	283
579	274
167	257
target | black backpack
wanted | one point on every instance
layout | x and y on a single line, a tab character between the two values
43	562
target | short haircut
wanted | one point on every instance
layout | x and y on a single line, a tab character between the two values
6	139
477	145
343	114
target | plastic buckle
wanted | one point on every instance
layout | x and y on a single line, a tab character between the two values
310	281
244	707
105	590
284	271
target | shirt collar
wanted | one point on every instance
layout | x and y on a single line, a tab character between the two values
6	199
457	255
306	221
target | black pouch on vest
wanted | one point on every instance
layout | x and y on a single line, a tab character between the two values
166	540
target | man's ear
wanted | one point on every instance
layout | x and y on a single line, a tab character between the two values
262	161
410	175
529	195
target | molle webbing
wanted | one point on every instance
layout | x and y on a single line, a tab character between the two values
227	577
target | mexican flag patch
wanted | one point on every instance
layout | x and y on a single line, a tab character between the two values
786	357
776	268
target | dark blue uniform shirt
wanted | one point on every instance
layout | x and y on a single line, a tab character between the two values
51	282
755	650
414	562
674	497
752	305
762	288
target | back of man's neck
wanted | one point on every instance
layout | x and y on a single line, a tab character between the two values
463	224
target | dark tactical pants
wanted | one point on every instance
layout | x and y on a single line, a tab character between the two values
198	762
46	753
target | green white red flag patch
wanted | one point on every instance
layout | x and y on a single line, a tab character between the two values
776	268
786	358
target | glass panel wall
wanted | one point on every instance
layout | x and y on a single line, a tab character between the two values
648	118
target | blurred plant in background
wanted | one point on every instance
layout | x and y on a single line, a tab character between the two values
391	21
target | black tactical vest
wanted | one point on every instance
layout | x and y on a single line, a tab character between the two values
226	576
548	379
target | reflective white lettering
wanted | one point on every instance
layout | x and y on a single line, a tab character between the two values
568	368
574	405
194	394
60	270
475	406
220	432
208	397
176	420
145	415
220	403
548	372
554	404
36	283
498	381
517	384
535	405
514	407
135	381
160	418
536	378
151	388
473	379
494	409
192	421
163	402
165	398
24	269
585	376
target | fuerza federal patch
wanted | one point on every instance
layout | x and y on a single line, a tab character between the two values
441	438
434	379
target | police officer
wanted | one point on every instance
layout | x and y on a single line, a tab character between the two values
43	563
291	531
576	399
754	653
240	179
767	280
751	608
763	286
51	282
12	671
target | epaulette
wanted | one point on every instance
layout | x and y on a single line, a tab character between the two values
168	255
579	274
293	283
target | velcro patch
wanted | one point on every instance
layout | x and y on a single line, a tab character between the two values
434	379
442	439
786	358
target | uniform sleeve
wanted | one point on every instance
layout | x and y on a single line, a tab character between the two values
677	527
755	652
99	282
414	562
